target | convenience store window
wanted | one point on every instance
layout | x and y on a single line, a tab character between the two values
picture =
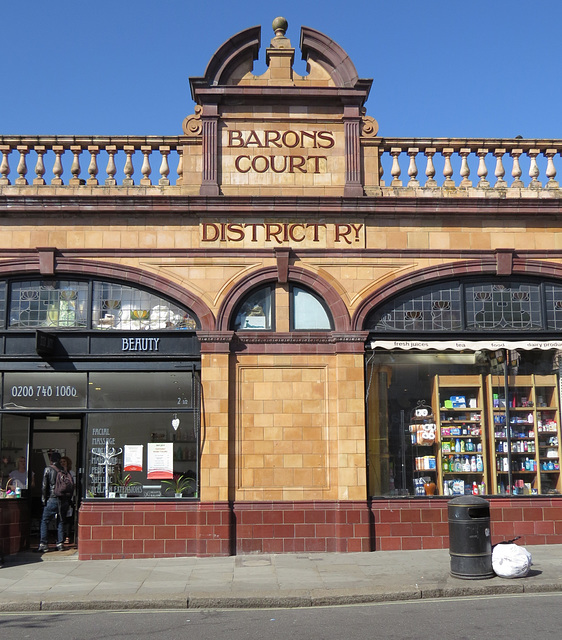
480	431
452	411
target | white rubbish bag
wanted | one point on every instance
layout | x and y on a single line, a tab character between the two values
511	561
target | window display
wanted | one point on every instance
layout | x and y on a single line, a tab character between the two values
496	415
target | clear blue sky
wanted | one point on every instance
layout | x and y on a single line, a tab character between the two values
483	68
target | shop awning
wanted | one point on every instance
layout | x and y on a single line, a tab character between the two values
466	345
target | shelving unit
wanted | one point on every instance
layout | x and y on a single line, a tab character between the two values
531	447
462	461
422	430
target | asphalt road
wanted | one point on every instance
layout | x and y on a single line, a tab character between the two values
517	617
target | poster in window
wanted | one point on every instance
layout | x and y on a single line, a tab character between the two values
160	461
132	457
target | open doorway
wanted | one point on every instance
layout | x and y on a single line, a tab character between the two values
49	434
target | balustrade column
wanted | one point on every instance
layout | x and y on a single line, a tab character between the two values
179	169
516	169
57	166
111	169
499	171
5	165
146	169
164	168
93	166
22	166
39	165
448	183
75	169
465	169
412	168
482	169
395	171
534	169
551	169
128	169
430	168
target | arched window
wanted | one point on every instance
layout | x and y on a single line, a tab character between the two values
309	312
472	306
95	304
258	311
254	313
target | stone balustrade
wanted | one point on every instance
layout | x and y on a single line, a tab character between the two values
89	160
438	167
504	167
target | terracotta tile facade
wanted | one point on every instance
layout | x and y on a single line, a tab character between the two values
278	183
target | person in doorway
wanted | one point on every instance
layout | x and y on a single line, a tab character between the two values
55	503
18	477
66	463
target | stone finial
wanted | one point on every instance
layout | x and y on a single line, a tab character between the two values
280	26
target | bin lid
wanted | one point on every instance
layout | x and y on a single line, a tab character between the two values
469	501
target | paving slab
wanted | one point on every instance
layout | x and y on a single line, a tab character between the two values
59	581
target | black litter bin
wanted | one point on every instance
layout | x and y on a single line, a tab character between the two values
470	544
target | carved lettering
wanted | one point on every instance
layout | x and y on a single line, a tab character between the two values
273	139
268	232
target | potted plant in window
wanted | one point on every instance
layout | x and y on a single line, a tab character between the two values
178	485
123	484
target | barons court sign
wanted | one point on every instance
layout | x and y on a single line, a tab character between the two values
278	151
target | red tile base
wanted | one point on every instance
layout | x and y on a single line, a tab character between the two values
169	529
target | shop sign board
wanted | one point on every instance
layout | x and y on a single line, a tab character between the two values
44	390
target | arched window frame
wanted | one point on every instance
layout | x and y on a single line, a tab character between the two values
82	293
269	289
484	305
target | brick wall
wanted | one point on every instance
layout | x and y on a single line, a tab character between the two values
14	526
167	529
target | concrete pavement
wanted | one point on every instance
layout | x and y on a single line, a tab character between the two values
58	581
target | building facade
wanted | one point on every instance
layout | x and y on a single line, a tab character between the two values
274	333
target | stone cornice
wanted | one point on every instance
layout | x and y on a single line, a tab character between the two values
17	200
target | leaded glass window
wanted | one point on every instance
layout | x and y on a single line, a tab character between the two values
428	309
66	304
116	306
510	306
48	303
553	294
472	306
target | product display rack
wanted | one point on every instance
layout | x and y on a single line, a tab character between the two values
462	465
526	444
422	429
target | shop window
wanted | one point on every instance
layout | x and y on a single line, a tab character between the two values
497	305
452	423
254	313
151	453
100	305
308	311
14	455
142	455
